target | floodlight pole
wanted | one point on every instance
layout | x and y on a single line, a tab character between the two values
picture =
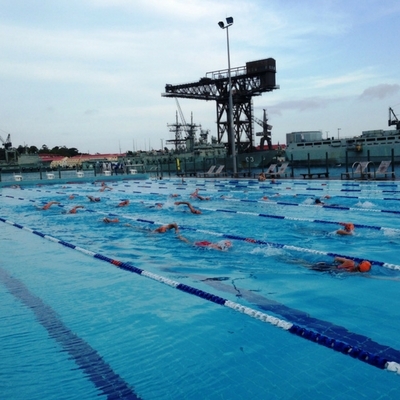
231	132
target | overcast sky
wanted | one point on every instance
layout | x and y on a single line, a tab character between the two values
90	73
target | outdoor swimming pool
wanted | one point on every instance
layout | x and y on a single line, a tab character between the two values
92	309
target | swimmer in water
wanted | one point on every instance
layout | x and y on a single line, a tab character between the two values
191	208
74	209
165	228
93	199
196	195
347	230
222	245
49	204
262	177
345	264
352	266
105	187
109	221
123	203
155	205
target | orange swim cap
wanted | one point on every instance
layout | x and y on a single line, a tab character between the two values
364	266
349	227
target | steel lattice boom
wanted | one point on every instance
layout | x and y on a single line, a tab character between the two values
255	78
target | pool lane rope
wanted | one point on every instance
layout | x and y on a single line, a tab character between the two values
274	187
271	244
246	239
373	227
326	206
271	202
337	345
279	189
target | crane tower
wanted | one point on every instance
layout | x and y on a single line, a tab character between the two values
253	79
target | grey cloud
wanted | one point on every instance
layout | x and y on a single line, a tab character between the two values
380	91
307	104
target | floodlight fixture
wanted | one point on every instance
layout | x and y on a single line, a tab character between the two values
229	22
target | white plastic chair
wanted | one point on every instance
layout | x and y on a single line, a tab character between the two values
210	171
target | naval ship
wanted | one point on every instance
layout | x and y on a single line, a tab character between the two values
311	148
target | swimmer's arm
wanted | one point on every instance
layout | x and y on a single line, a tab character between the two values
341	261
343	232
182	238
345	262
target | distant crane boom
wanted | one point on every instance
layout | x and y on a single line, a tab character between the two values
394	121
266	133
253	79
6	143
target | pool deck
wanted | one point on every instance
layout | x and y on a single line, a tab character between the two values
69	180
23	180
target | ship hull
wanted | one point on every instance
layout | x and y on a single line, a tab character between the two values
373	146
191	163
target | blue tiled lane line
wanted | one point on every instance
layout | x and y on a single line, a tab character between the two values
322	332
98	371
386	358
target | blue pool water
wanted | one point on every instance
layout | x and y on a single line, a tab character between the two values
84	323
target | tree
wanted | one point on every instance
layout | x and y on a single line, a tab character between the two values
21	149
73	151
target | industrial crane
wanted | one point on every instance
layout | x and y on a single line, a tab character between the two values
266	133
6	143
8	149
253	79
395	121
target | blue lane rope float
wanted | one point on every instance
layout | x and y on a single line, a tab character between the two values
285	203
327	206
270	187
360	353
300	219
331	186
276	187
252	240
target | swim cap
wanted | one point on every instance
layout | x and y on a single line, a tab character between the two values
364	266
348	227
224	244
